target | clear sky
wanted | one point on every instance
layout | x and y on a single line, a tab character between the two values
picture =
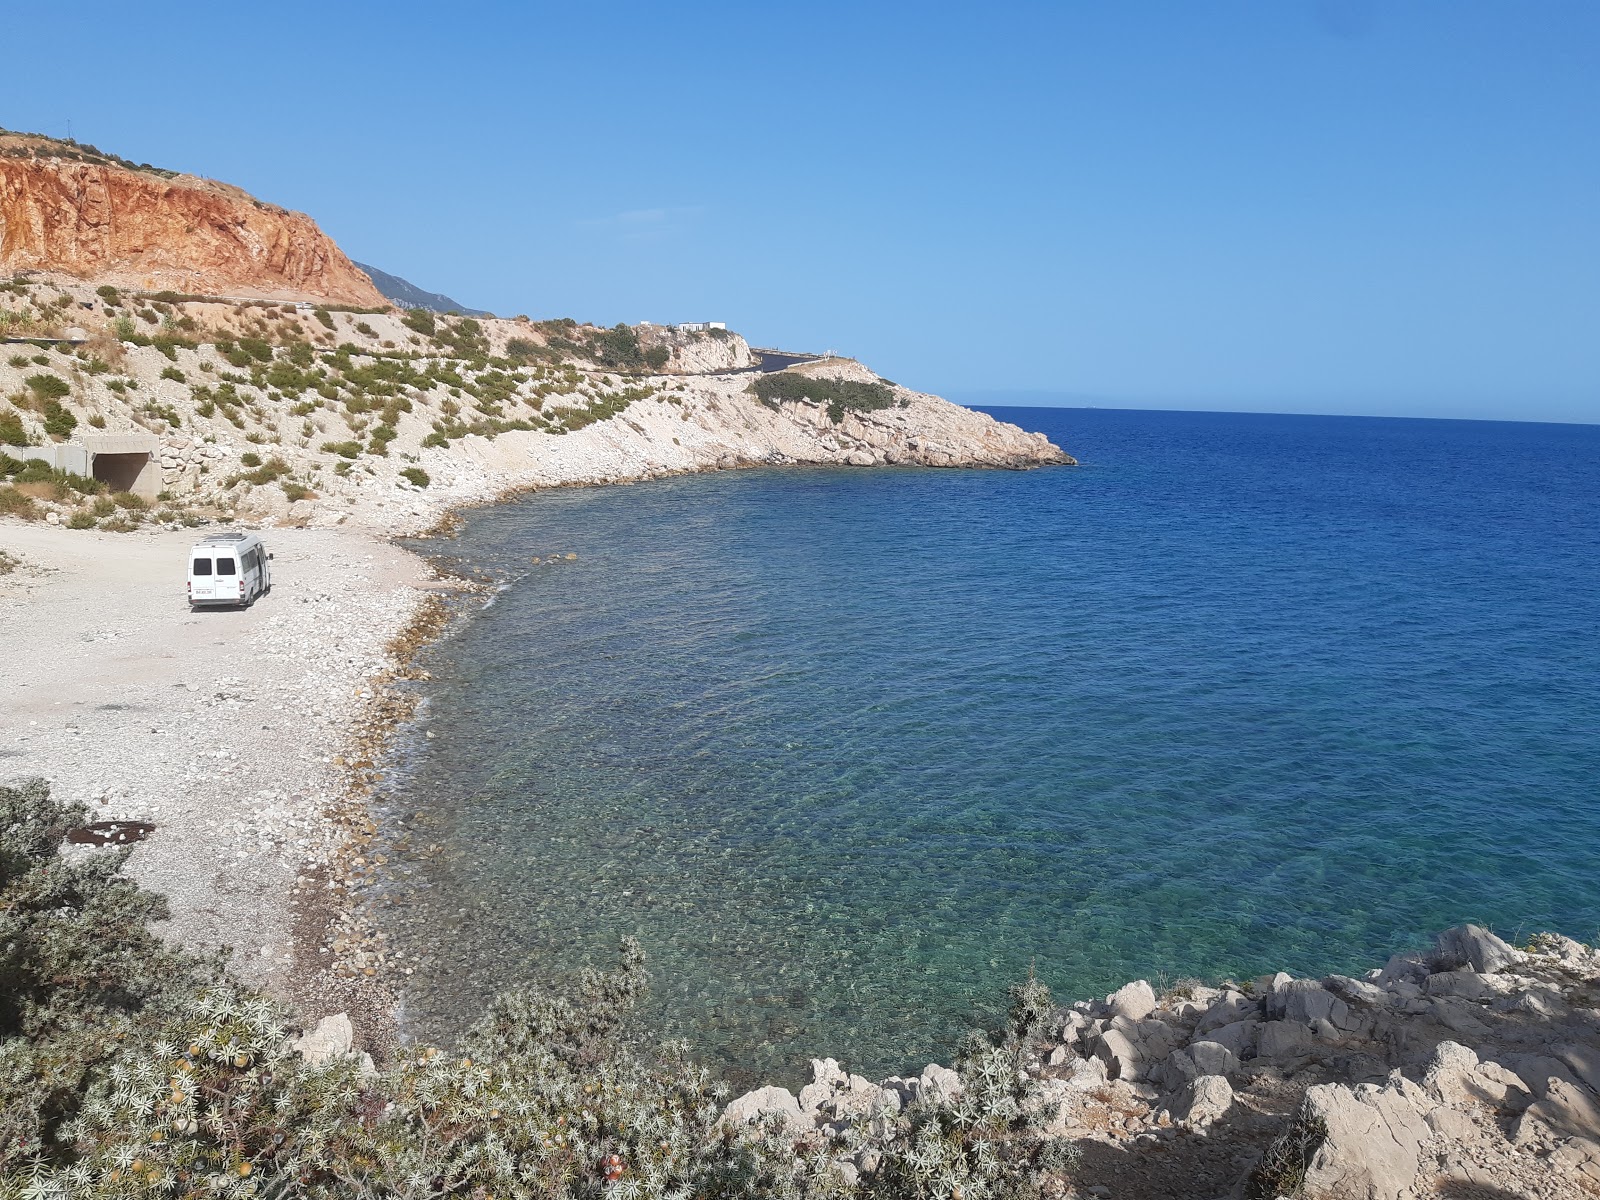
1376	206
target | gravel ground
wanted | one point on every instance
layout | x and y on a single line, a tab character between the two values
226	729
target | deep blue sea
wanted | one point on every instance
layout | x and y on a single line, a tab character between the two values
850	750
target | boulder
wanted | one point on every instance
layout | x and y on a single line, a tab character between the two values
1277	1041
1239	1037
1584	1062
1372	1149
1407	968
1567	1111
1232	1008
1204	1102
1472	946
1536	1071
1450	1072
937	1081
1135	1001
1464	984
1305	1000
752	1106
1120	1053
334	1037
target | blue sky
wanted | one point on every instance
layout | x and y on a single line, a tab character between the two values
1305	205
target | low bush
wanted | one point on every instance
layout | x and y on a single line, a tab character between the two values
16	504
324	317
130	1068
417	476
45	386
840	395
343	449
420	320
296	491
12	430
58	422
173	374
82	519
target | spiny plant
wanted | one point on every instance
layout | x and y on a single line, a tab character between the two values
130	1068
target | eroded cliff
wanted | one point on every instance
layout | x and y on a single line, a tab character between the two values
91	217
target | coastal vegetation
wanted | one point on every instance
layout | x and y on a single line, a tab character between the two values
130	1067
839	395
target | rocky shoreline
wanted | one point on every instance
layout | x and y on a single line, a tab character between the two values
1474	1067
1471	1071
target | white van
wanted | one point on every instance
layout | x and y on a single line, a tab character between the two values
229	568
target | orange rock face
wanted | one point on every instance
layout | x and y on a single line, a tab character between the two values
135	229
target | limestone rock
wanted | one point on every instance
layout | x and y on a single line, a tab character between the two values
1135	1001
1373	1146
1472	946
1204	1102
1567	1111
752	1106
1281	1040
334	1037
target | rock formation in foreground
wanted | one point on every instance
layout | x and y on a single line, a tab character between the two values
66	210
1472	1073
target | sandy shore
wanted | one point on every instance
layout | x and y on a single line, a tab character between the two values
226	729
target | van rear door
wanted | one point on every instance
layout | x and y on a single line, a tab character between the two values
229	583
202	583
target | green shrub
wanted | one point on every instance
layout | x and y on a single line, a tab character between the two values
15	504
250	458
840	395
130	1068
108	293
58	422
129	502
324	317
12	431
123	329
343	449
17	360
296	491
417	476
47	387
81	519
420	320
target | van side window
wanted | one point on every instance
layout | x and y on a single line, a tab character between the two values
225	566
200	566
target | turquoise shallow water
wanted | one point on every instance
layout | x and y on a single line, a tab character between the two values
850	749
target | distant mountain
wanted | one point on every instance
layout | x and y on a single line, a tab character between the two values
409	295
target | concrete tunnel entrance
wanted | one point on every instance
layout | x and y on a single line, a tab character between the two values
119	471
128	462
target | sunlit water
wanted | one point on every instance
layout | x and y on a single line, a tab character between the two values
849	750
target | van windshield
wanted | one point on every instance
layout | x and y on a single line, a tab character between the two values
225	566
200	566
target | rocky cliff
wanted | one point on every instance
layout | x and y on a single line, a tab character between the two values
91	217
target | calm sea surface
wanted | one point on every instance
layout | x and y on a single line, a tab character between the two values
848	750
